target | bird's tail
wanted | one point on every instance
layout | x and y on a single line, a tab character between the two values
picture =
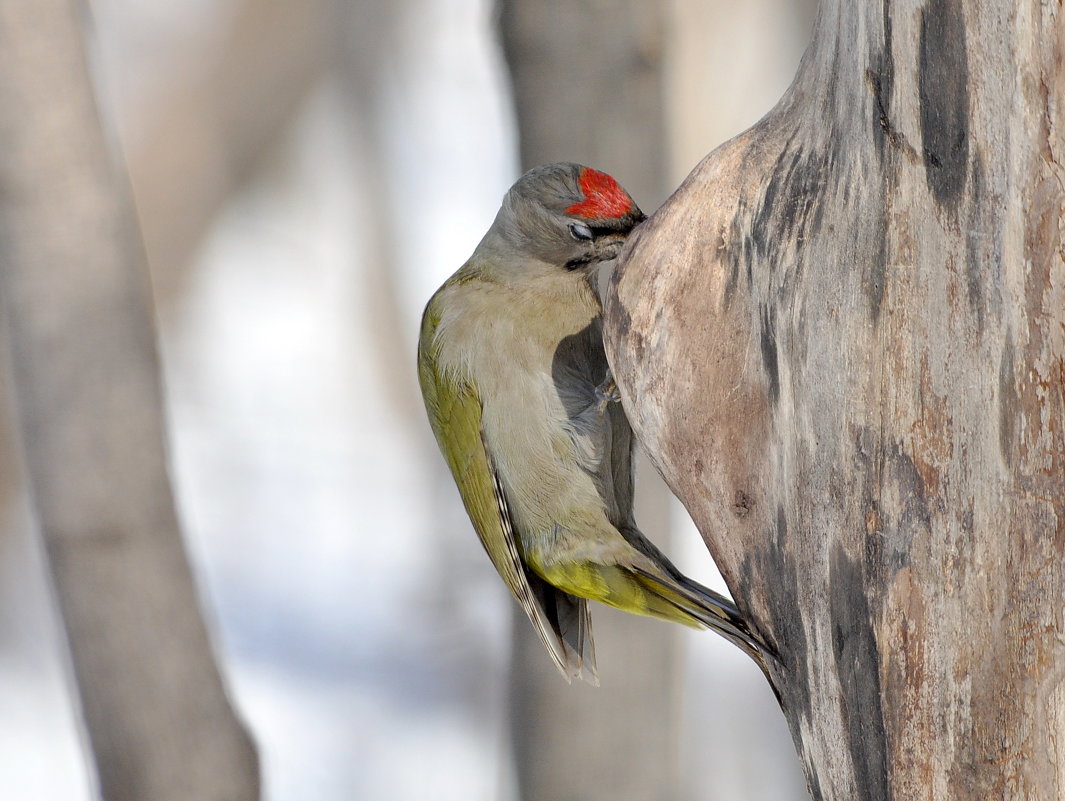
706	608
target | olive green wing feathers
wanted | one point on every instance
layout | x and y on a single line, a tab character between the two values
562	621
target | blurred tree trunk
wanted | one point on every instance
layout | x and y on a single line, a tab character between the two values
843	343
726	65
371	35
86	383
202	138
587	80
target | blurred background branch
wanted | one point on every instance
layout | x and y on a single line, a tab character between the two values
203	135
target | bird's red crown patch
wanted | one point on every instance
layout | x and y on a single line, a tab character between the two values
603	197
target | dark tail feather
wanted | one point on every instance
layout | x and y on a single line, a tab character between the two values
575	626
713	610
571	623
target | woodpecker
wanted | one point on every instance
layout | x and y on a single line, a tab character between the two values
521	399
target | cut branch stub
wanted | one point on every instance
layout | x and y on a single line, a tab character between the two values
842	343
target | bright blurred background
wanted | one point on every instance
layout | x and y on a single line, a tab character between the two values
306	175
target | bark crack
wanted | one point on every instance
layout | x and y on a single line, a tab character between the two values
895	137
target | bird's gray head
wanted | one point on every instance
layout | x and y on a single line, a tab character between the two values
566	215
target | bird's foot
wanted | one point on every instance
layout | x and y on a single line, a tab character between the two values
607	393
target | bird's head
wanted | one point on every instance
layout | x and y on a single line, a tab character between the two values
567	216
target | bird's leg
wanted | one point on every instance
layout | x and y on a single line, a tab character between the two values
607	392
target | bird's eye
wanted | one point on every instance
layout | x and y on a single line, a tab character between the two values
580	231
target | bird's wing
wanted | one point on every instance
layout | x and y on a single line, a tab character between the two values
621	454
567	634
562	621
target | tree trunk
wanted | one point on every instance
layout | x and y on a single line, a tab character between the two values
599	105
86	383
842	341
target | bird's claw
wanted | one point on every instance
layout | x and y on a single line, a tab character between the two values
607	393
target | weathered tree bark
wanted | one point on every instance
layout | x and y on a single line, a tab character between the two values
842	342
76	302
598	102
